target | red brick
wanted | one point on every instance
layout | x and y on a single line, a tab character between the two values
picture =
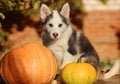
107	50
101	27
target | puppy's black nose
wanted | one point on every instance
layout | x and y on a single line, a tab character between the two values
55	34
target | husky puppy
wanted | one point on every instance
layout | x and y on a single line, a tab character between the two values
66	44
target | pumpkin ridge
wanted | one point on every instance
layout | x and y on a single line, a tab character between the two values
37	50
50	61
17	68
8	66
23	63
3	70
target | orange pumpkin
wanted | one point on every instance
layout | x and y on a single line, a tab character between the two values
29	64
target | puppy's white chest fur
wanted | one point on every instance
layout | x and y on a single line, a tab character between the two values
60	46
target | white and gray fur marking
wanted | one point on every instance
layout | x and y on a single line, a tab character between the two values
66	44
60	38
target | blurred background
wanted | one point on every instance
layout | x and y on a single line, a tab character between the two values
99	20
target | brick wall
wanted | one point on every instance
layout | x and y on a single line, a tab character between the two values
101	24
101	27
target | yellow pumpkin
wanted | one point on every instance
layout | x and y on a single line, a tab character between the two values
78	73
29	64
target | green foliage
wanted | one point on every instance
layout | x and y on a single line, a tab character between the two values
79	60
106	64
77	5
9	5
23	5
2	35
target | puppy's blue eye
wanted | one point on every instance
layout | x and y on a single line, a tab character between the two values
60	25
51	25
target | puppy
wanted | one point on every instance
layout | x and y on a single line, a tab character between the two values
66	44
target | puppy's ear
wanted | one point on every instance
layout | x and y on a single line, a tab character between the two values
65	11
44	11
